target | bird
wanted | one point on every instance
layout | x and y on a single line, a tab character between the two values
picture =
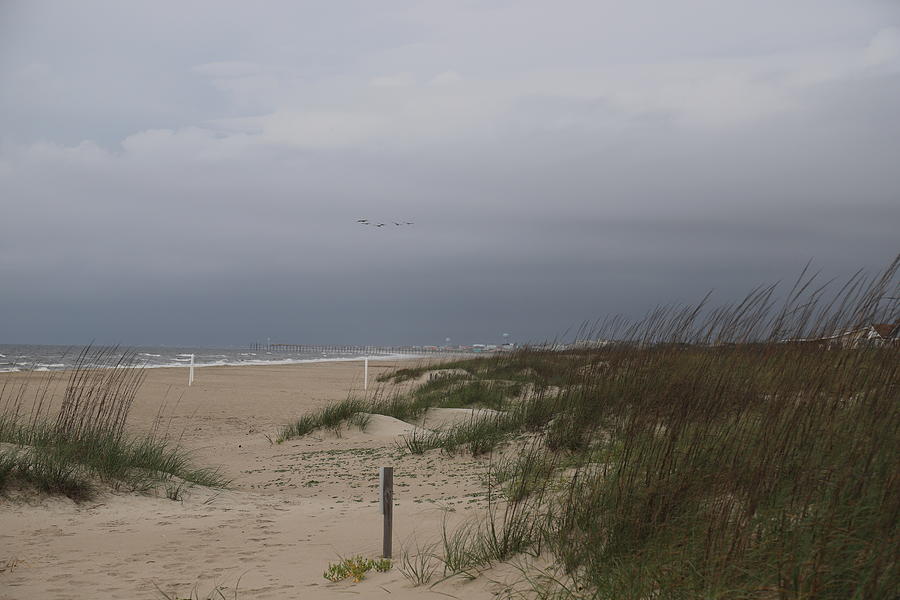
396	223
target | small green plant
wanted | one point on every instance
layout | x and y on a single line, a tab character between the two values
383	565
175	489
355	568
419	567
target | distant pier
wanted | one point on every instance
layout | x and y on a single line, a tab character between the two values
351	349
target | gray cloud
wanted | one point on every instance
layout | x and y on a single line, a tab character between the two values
193	174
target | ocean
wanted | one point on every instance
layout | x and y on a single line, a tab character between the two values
25	357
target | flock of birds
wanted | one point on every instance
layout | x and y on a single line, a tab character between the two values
367	222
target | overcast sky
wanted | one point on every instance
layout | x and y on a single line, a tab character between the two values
191	172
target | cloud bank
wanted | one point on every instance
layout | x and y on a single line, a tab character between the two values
193	174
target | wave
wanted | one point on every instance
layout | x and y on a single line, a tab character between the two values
237	361
284	361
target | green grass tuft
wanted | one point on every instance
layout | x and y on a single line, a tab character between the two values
85	443
330	417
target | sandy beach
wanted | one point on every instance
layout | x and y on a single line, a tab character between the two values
290	510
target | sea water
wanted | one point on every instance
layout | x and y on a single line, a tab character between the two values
26	357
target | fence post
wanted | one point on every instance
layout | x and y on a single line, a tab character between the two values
366	374
191	375
386	487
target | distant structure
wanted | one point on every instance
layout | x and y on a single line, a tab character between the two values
870	335
356	349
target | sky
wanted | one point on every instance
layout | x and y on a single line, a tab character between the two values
191	173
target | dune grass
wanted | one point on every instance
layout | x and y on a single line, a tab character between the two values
330	417
409	405
418	566
410	373
737	451
478	435
718	457
85	443
727	473
218	592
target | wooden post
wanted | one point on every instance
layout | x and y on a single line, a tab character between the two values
387	508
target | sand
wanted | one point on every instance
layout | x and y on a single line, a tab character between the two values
292	508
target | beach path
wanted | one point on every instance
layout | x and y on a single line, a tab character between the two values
291	509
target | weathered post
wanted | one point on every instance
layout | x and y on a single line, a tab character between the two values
191	374
366	374
386	487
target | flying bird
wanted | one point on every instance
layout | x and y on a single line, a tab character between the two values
396	223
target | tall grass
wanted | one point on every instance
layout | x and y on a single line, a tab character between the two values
85	441
733	469
510	526
735	451
719	452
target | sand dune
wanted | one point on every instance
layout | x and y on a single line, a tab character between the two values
382	426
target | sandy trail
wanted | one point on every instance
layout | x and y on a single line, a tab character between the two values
292	508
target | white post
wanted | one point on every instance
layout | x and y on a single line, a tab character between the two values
366	374
191	375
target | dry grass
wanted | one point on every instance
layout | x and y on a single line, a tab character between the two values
714	452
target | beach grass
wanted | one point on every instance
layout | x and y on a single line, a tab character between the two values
734	456
218	592
738	451
408	405
418	566
85	442
330	417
